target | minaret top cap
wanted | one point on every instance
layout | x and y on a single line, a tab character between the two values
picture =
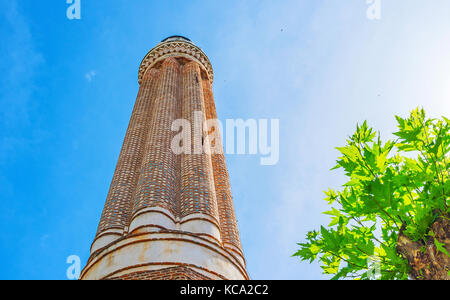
176	46
176	38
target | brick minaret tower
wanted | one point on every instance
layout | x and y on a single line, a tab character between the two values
168	215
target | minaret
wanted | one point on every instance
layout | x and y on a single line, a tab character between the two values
169	215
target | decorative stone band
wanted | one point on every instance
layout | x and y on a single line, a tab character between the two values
175	49
105	238
155	219
157	250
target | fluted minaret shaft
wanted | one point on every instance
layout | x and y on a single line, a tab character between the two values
228	226
198	197
116	213
169	214
157	186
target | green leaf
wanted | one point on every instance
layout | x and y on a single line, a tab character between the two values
352	182
440	247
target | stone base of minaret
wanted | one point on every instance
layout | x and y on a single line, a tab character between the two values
164	255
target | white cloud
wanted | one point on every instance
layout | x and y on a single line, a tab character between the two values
90	75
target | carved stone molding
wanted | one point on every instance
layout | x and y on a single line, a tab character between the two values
175	48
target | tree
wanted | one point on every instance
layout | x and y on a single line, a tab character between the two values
391	219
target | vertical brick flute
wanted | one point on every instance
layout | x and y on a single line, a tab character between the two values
168	215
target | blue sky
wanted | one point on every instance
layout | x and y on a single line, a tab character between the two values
67	88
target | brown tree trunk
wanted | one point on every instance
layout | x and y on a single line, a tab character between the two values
426	261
